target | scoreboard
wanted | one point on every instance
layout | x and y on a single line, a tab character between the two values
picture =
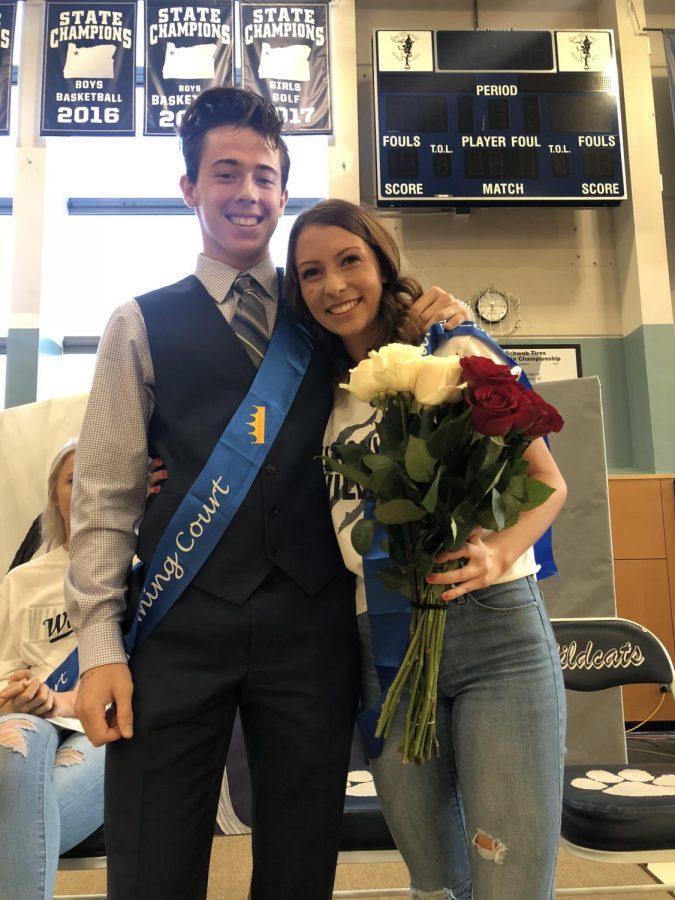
475	118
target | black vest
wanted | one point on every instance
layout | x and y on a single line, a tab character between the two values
202	373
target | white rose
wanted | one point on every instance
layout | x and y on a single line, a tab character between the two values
364	382
398	365
440	380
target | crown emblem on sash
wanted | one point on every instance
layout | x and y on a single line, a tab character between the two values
257	423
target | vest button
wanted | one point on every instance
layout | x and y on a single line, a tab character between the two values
276	551
274	510
270	468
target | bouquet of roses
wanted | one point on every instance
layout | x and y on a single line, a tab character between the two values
448	458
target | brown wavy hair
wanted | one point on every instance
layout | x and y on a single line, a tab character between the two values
395	320
230	106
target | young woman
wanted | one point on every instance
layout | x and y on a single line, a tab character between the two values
482	820
51	777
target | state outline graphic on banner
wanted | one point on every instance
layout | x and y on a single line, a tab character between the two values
188	48
96	61
286	58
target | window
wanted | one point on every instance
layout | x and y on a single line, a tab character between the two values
94	262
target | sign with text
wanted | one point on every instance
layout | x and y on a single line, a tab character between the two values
7	25
547	363
285	58
188	47
88	76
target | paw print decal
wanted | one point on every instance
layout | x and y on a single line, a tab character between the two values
360	784
626	783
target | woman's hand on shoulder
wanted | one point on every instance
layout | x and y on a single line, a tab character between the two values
26	695
437	305
156	475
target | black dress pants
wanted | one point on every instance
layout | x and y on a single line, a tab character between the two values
290	663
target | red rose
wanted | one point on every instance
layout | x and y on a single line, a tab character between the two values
479	370
548	420
502	406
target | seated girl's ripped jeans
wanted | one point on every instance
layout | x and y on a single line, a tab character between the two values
51	798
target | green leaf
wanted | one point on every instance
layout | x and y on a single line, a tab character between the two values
397	553
385	472
451	537
512	504
350	453
520	466
537	493
517	488
394	580
430	501
485	453
419	463
398	512
374	461
452	490
484	483
485	518
450	434
498	510
362	536
390	429
362	478
384	482
460	531
496	447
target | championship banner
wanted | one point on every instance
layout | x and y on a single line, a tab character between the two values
188	48
7	23
285	58
89	75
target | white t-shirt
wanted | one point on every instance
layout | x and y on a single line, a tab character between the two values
354	420
34	629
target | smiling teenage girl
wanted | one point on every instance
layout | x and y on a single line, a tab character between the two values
482	820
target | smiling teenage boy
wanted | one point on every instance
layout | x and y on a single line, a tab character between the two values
257	613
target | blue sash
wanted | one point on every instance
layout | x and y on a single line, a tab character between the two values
211	503
389	612
198	524
64	676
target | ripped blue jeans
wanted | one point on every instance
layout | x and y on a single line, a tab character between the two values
482	820
51	798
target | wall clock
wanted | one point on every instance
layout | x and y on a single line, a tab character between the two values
497	311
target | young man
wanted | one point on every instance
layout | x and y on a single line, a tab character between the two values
266	623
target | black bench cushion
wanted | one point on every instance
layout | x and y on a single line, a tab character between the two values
620	807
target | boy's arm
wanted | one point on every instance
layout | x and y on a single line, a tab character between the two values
108	500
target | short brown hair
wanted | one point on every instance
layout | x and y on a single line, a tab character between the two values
395	320
230	106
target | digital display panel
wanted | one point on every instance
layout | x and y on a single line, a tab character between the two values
418	114
497	118
572	113
494	51
498	162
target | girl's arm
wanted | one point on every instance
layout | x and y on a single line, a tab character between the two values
487	560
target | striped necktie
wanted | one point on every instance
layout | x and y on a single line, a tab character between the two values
249	322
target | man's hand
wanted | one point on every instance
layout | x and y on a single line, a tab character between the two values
437	305
103	703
